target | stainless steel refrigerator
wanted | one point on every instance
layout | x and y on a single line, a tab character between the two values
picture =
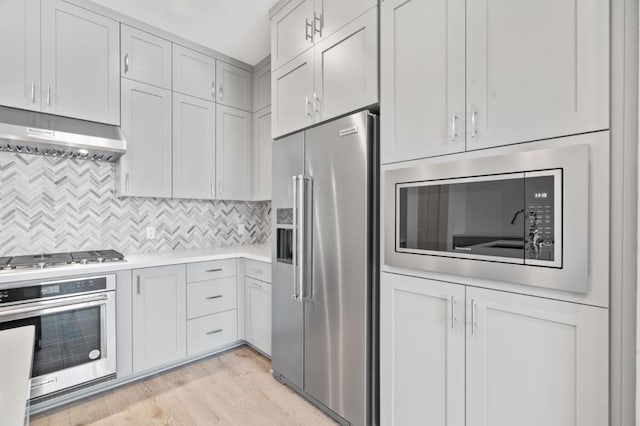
325	250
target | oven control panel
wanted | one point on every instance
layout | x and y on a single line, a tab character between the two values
53	289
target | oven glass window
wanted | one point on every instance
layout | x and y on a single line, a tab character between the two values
484	217
63	340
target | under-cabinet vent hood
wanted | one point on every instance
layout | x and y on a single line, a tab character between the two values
29	132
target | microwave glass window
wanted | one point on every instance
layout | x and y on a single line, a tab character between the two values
64	339
484	217
540	198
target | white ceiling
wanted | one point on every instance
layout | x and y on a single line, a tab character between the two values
237	28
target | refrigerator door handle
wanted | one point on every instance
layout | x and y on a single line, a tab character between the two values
305	279
294	243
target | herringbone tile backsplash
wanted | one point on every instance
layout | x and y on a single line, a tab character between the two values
49	205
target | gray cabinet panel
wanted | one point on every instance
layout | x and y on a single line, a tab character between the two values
234	86
262	88
292	94
258	314
194	74
159	316
145	57
346	69
145	170
331	15
79	63
262	148
20	53
288	36
422	78
536	70
233	155
194	155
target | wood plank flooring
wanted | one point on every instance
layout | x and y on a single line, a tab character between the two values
235	388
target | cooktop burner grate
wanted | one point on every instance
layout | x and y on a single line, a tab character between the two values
52	259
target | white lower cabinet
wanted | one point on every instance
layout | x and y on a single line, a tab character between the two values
492	357
159	316
210	332
421	352
258	314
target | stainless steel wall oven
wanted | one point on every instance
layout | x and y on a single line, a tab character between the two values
519	217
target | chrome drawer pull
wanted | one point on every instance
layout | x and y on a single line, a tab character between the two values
209	333
214	270
214	297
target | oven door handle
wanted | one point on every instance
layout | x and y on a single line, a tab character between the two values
49	304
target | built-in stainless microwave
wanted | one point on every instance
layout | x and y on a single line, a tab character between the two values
519	217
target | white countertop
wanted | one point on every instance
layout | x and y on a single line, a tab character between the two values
16	353
259	252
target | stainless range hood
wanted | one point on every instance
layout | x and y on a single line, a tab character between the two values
30	132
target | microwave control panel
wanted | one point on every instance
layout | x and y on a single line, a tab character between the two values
540	224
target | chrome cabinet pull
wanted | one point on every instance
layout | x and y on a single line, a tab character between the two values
220	91
213	89
474	322
307	103
294	251
320	21
220	189
213	188
316	103
308	25
218	296
126	181
33	92
126	63
454	132
138	284
49	95
453	315
474	119
209	333
214	270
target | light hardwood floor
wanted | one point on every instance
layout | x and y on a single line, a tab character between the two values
235	388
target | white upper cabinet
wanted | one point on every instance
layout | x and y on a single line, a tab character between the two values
331	15
194	74
233	153
20	53
422	78
80	75
422	356
346	68
533	361
194	142
536	70
262	149
145	57
292	95
262	88
289	35
145	169
234	86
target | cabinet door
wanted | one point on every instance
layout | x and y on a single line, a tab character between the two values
291	94
422	79
20	53
346	69
258	314
331	15
194	74
145	170
194	147
262	88
289	34
80	75
233	153
422	340
145	57
234	86
159	316
536	70
262	147
533	361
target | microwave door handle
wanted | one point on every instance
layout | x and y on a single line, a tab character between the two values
41	306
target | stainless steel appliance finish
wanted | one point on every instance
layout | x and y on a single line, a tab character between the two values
30	132
324	289
75	329
54	259
563	219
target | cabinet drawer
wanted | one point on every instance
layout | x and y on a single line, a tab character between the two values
211	332
257	270
214	269
210	297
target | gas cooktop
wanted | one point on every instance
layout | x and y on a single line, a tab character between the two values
53	259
